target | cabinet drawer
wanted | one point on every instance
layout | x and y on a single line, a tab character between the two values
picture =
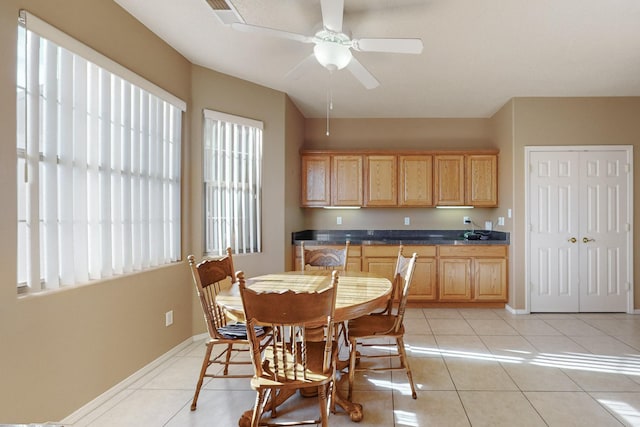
422	251
473	251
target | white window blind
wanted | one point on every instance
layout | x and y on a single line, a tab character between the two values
98	165
232	183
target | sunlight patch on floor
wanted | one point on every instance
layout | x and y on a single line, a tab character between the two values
627	365
402	388
404	418
626	411
590	362
468	355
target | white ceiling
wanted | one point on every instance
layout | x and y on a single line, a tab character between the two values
477	53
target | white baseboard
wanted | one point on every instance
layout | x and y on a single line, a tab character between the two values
124	384
515	311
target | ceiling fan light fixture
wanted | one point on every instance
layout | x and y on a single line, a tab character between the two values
332	56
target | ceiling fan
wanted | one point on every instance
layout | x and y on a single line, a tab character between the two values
333	46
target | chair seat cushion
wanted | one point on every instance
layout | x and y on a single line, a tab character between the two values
238	330
372	325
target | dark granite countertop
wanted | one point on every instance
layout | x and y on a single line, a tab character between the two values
405	237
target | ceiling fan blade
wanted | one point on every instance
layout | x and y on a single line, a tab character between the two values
271	32
296	72
332	14
362	74
388	45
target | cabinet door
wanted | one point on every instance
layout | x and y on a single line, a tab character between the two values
455	279
416	180
490	279
423	285
316	184
381	184
449	180
482	180
383	267
346	183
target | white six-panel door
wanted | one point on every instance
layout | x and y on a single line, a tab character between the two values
579	239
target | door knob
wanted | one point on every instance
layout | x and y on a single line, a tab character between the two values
572	240
587	240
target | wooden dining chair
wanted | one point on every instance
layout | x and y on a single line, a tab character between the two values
324	258
327	259
301	354
396	283
208	277
363	330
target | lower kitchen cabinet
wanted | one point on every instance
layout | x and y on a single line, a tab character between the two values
473	273
443	273
455	279
381	260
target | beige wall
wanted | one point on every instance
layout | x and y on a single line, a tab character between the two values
280	212
80	333
570	121
502	123
62	349
400	134
294	218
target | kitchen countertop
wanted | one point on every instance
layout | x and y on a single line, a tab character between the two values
404	237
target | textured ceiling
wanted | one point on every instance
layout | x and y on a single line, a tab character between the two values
477	53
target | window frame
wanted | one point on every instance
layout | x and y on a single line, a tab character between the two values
247	237
161	129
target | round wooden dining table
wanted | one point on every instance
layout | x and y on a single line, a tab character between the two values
359	294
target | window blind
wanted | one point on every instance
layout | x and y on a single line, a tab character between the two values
232	171
99	165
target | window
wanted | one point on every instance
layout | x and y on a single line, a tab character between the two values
232	183
98	164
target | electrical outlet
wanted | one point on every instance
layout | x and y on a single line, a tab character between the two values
466	220
500	220
407	220
168	318
508	213
339	220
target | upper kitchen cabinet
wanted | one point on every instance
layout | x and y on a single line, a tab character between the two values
448	172
399	178
380	180
316	180
466	179
346	180
416	181
482	180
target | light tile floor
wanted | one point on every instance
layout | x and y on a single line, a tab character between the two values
475	367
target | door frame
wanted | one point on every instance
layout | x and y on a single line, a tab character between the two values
527	240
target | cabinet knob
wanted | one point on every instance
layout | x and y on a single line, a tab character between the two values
572	240
587	240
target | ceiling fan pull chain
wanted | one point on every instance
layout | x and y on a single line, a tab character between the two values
328	102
